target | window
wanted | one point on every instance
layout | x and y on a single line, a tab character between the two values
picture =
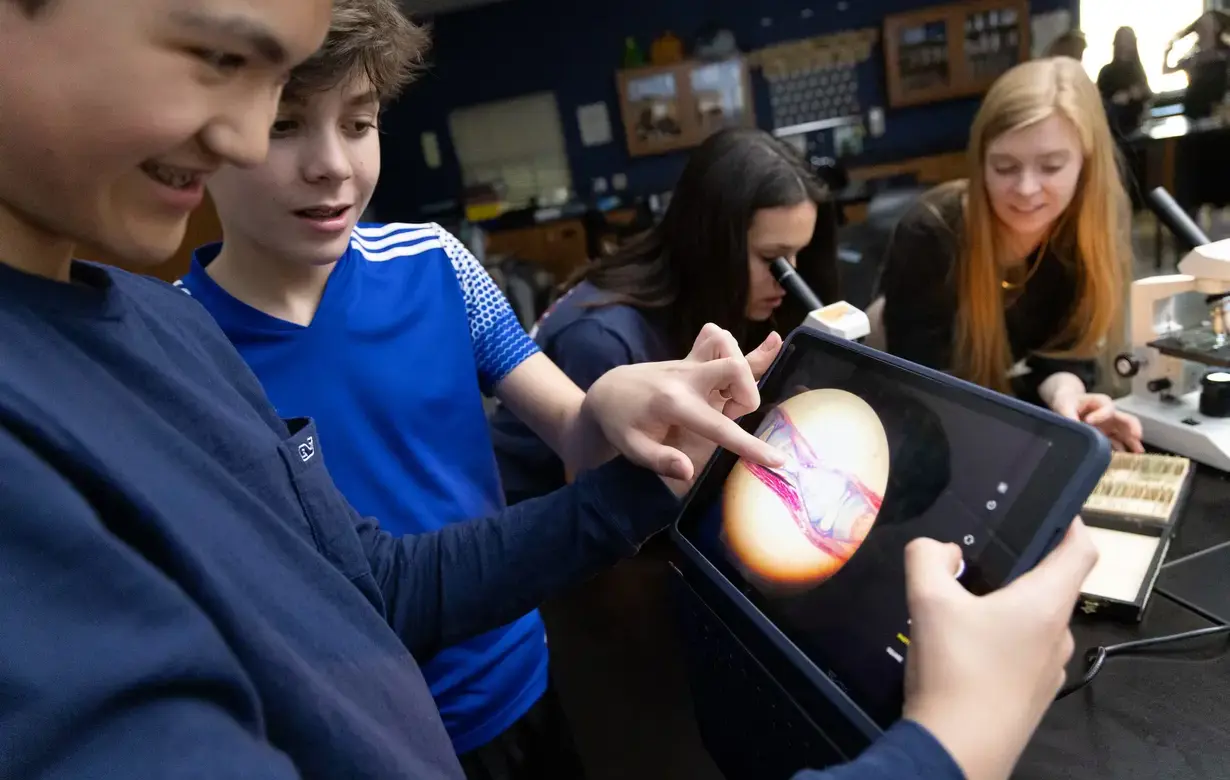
516	143
1155	23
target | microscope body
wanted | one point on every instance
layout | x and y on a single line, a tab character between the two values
1179	350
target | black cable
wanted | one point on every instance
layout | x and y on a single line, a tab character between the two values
1096	657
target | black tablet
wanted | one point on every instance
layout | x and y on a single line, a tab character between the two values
880	451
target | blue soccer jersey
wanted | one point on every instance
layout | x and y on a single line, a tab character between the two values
409	333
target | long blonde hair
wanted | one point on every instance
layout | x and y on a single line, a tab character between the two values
1091	235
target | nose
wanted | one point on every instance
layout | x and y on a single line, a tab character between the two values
240	137
1027	183
327	158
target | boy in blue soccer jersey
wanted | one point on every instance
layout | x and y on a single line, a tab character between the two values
388	335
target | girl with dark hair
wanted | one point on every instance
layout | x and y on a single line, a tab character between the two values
1124	85
744	198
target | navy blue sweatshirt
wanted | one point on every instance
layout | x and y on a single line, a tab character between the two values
184	592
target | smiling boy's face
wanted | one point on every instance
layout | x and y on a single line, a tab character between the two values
302	203
115	113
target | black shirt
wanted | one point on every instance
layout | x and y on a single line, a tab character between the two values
919	287
1120	76
1207	84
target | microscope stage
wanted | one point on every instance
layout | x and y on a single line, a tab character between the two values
1178	426
1199	346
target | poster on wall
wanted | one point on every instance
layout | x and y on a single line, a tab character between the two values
594	122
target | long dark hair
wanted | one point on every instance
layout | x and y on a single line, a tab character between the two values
692	266
1133	60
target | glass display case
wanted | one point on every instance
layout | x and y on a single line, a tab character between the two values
953	51
678	106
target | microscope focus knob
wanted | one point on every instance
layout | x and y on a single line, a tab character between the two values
1127	366
1159	385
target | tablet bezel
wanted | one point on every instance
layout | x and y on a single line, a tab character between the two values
1037	520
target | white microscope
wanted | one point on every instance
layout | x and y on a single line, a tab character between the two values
1180	358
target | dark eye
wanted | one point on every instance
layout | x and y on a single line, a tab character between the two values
220	61
283	127
360	126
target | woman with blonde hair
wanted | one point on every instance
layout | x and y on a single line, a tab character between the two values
1015	278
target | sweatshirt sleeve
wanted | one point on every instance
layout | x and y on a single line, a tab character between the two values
109	669
907	751
467	578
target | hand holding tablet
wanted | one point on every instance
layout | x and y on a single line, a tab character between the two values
982	670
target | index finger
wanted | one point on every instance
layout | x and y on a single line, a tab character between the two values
698	417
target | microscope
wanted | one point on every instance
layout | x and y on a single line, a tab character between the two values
836	319
1179	363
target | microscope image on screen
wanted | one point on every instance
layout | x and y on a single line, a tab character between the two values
792	528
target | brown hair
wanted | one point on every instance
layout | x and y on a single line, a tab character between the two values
1070	44
1092	233
372	37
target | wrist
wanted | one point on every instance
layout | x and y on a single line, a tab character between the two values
979	745
583	444
1060	386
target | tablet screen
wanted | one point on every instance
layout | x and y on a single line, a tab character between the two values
877	456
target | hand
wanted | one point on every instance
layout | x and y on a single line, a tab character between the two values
669	416
982	671
1099	410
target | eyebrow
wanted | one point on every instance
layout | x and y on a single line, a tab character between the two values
361	100
779	250
252	32
364	99
1058	155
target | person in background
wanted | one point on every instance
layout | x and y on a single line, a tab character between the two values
1205	64
1070	44
185	592
1016	278
1124	85
743	199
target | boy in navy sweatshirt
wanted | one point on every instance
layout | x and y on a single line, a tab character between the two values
185	593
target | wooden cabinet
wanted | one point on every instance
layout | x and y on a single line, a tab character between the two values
672	107
953	51
559	247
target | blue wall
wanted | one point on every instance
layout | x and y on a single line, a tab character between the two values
573	47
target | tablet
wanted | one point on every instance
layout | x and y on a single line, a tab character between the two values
880	451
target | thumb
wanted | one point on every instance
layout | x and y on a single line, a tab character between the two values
760	358
1097	412
931	569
